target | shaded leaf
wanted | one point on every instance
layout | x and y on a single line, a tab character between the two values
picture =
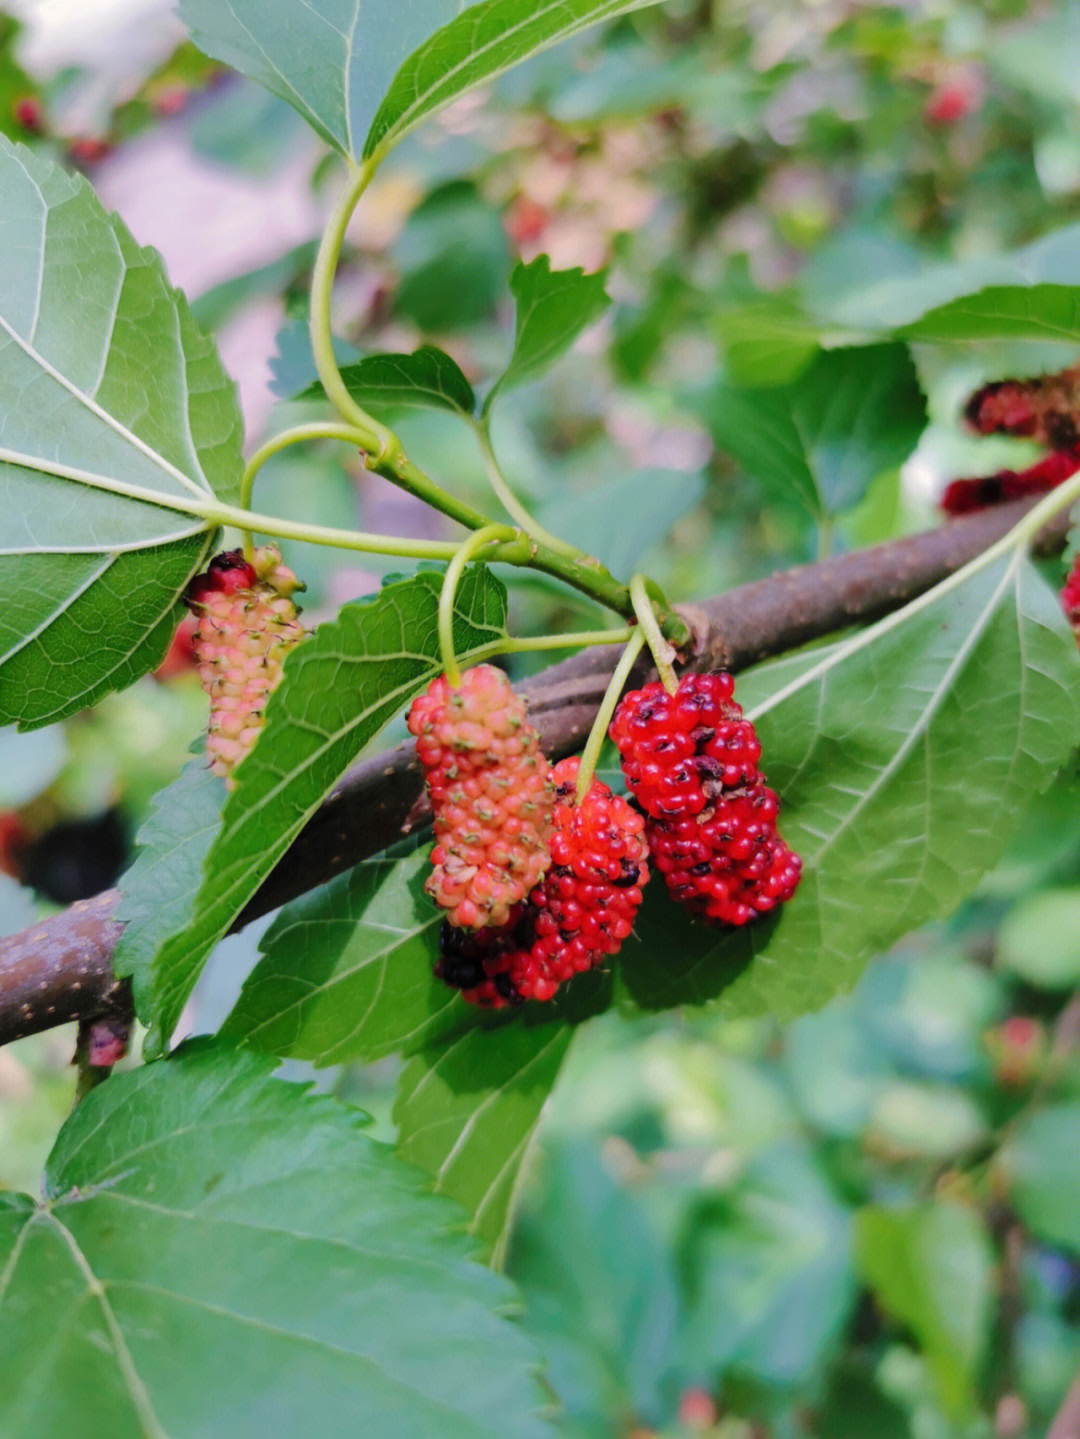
553	307
346	972
119	426
601	1298
339	688
330	59
466	1110
769	1272
454	259
932	1269
426	379
648	504
477	45
863	742
823	439
202	1219
156	889
1040	1164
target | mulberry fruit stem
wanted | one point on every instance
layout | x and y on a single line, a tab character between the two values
483	539
317	430
662	652
380	441
595	742
509	501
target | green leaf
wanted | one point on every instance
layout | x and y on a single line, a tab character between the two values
156	889
466	1110
105	383
454	259
824	438
1040	939
330	59
477	45
426	379
864	742
1031	293
346	972
770	1275
932	1269
648	504
553	307
338	689
1040	1165
600	1292
205	1222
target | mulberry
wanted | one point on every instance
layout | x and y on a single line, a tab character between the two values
492	794
581	913
246	623
1070	597
680	751
691	761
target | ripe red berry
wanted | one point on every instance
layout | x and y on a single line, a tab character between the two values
579	915
27	112
491	793
1070	597
680	751
691	761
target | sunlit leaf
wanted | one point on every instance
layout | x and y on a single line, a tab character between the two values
118	427
224	1254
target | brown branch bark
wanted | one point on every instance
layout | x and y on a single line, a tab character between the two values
60	970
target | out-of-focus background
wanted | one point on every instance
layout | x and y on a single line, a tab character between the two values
709	1242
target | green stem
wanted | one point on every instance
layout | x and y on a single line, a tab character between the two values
483	539
295	435
662	652
572	640
595	742
316	430
509	501
379	440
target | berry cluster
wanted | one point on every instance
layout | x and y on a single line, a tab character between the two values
690	759
491	792
581	913
246	623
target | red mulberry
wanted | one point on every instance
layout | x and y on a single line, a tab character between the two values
246	624
1070	597
581	913
691	761
491	792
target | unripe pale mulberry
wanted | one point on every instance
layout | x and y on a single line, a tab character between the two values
246	624
491	793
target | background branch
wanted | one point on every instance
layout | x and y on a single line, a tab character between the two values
61	970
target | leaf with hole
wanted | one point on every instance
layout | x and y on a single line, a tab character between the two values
118	428
203	1224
